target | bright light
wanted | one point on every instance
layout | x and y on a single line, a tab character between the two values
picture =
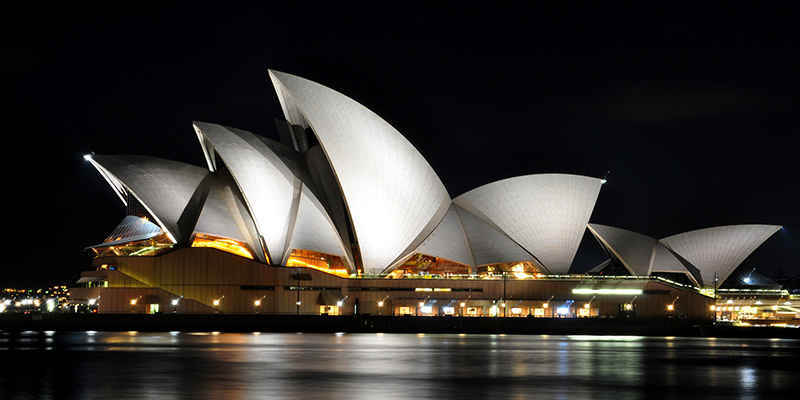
298	303
545	305
607	291
257	303
175	302
586	305
92	301
427	310
712	308
216	302
629	306
421	303
670	307
562	310
339	303
380	303
463	304
133	302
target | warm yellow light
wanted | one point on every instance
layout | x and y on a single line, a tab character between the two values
421	303
586	305
133	302
545	305
463	304
712	308
380	303
670	307
628	306
606	291
226	245
257	303
216	302
296	262
519	271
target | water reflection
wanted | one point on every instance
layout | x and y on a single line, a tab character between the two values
48	365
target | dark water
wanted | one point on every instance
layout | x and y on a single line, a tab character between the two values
86	365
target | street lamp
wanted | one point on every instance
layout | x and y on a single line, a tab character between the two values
133	304
257	303
380	304
216	303
588	305
749	276
422	304
671	306
715	297
546	304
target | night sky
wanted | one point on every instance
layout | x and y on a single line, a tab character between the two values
694	112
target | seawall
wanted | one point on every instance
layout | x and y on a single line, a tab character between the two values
350	324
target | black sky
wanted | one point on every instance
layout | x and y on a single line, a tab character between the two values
692	110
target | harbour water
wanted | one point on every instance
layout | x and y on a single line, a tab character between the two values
179	365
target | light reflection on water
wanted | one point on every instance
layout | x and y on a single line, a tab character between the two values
45	365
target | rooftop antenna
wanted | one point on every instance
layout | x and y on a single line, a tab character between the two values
605	178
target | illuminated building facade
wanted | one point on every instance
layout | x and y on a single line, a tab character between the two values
343	215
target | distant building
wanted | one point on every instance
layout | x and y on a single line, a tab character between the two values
344	215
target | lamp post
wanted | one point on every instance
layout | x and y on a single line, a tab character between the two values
503	300
216	303
749	276
464	304
380	304
588	305
340	303
297	276
715	298
671	306
133	304
546	304
422	304
257	303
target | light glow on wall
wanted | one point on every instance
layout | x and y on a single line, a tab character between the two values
607	291
226	245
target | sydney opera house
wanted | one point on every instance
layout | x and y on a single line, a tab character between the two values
344	216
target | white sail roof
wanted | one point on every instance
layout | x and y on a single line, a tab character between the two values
313	230
489	245
719	250
164	187
545	214
394	197
449	241
267	183
225	215
634	250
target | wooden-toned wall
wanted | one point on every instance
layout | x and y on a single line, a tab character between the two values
198	276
